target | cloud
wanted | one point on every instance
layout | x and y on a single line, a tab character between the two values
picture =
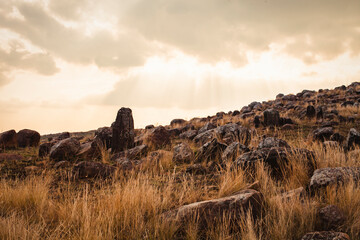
124	50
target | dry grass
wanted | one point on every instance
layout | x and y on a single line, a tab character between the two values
131	205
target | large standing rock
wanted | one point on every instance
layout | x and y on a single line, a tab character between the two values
182	154
233	132
8	139
123	131
104	134
158	137
325	236
233	208
28	138
93	170
65	149
353	139
271	117
329	176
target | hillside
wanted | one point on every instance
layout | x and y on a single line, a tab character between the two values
281	169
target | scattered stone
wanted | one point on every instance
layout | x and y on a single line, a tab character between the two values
90	150
271	142
177	122
271	117
233	207
44	148
28	138
323	134
233	132
331	218
149	127
329	176
158	137
353	139
310	111
123	131
189	134
8	139
104	134
65	149
63	136
196	169
206	127
182	154
232	151
87	169
325	236
211	151
205	137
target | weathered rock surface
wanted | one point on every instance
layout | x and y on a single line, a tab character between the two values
205	137
353	139
87	169
328	176
232	151
104	134
211	151
28	138
90	150
123	131
323	134
233	132
8	139
63	136
271	117
233	207
158	137
44	148
182	154
65	149
331	218
325	236
271	142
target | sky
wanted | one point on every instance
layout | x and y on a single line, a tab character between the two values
69	65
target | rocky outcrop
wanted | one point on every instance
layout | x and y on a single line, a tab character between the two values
65	149
123	131
28	138
8	139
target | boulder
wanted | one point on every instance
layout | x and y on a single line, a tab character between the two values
189	134
90	150
28	138
182	154
234	207
177	122
63	136
8	139
233	132
325	236
158	137
93	170
104	134
44	148
65	149
330	176
232	151
206	127
123	131
204	137
353	139
271	117
310	111
210	151
322	134
270	142
331	218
